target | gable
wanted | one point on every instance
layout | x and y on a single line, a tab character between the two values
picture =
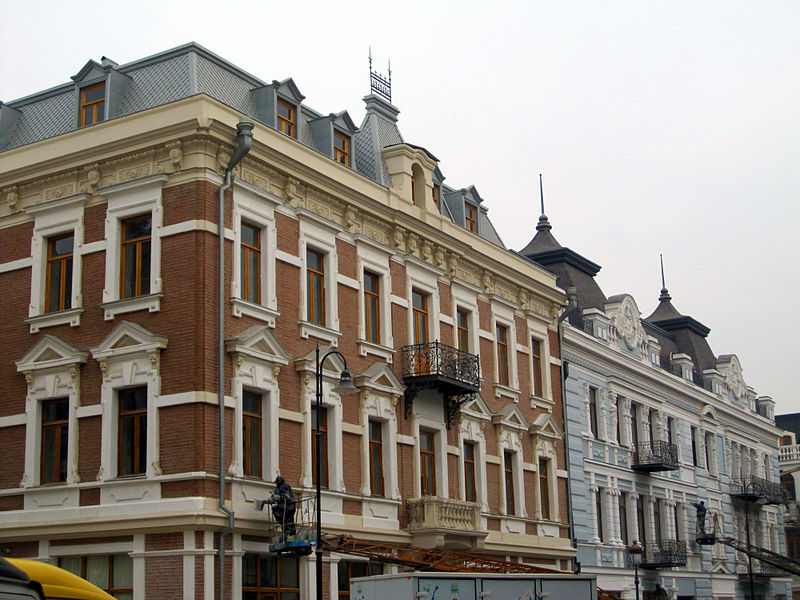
50	352
511	416
128	338
258	342
90	72
380	377
545	425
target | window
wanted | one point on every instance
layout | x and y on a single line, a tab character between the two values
251	433
598	508
341	148
319	419
250	264
268	577
469	218
376	458
135	254
693	434
593	412
635	427
372	307
58	293
93	104
435	194
470	491
315	270
508	468
463	330
111	573
653	420
623	517
420	309
427	455
536	355
677	521
671	430
709	440
286	120
618	411
502	354
640	519
348	569
132	450
657	520
544	488
55	426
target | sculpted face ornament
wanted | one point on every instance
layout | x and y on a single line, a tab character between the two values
735	381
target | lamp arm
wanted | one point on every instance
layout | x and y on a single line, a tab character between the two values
329	353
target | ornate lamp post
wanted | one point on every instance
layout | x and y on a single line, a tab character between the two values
635	550
345	387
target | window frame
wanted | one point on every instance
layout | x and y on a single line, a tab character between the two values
544	489
372	303
316	315
427	462
470	217
138	245
262	591
598	505
111	589
140	432
290	122
319	237
502	372
537	375
374	258
594	418
97	106
249	418
470	480
245	251
509	479
64	286
339	153
463	333
61	427
376	471
323	444
420	317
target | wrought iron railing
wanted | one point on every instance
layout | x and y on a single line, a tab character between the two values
759	489
760	569
663	554
656	453
437	359
672	367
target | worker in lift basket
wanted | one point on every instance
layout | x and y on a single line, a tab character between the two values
283	505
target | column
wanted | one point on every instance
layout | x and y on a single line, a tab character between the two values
595	490
613	516
633	518
613	409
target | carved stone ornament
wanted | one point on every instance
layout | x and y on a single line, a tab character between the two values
92	177
175	155
626	324
452	264
398	238
427	250
276	370
12	197
412	243
439	257
290	192
735	381
154	360
351	219
29	380
223	158
487	281
103	367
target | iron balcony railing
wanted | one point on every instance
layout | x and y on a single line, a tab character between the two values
758	489
760	569
579	322
664	554
656	455
437	360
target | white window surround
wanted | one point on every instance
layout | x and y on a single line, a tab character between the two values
435	426
129	356
424	278
511	425
475	415
257	359
466	298
546	434
374	258
538	331
256	207
319	235
504	315
54	218
125	200
52	370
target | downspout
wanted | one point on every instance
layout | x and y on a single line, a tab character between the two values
244	135
572	304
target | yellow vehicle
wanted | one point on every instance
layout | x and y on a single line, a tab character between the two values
22	579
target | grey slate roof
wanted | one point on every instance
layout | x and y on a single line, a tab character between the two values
189	70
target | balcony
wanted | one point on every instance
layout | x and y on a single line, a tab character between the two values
664	554
655	456
454	373
761	570
758	489
445	523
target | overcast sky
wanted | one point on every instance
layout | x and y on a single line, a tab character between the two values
667	127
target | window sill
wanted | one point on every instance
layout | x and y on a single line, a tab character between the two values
320	332
541	402
62	317
504	391
151	302
249	309
369	348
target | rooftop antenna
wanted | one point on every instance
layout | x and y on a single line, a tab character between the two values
543	224
664	293
378	84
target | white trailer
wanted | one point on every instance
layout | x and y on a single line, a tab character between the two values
473	586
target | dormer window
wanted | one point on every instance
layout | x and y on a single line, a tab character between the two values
436	195
341	148
93	104
469	218
286	118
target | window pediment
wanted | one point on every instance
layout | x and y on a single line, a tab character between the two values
546	426
380	378
511	417
332	366
128	338
90	72
476	409
260	343
50	352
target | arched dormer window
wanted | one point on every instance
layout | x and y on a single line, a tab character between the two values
417	185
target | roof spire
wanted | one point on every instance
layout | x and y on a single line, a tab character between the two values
543	222
664	293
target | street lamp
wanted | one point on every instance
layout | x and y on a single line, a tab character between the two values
345	387
635	550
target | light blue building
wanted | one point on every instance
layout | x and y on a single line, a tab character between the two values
656	423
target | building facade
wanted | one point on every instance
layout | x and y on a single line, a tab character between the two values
790	478
336	236
657	424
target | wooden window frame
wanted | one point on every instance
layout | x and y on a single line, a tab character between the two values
345	574
372	303
285	123
246	250
536	358
508	472
316	314
139	433
138	243
470	472
97	106
111	583
470	218
341	155
435	194
376	458
271	593
427	458
462	329
248	419
502	354
61	428
322	415
544	488
421	317
66	263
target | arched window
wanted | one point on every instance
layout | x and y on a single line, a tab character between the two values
417	185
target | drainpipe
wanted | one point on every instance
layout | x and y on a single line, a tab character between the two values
244	135
572	304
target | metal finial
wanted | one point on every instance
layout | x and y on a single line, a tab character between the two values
664	297
543	222
541	192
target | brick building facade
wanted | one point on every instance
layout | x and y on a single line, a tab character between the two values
335	235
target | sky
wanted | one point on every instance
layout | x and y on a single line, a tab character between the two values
659	127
